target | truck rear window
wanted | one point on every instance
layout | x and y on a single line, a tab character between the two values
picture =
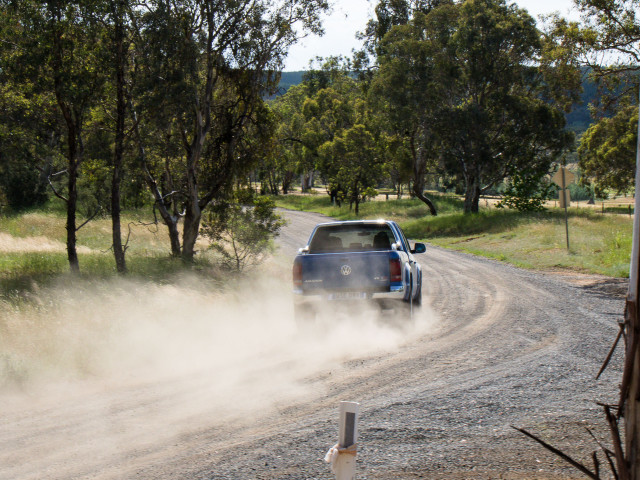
351	238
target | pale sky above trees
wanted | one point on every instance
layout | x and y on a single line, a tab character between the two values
350	16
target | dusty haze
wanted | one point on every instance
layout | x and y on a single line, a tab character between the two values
186	350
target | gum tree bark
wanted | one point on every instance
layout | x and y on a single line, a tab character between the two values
118	12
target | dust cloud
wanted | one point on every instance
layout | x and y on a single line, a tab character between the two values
116	329
141	355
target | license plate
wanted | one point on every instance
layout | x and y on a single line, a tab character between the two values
348	296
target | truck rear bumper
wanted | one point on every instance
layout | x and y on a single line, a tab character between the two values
395	293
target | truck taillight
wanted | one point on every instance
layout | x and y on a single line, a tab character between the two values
395	270
297	274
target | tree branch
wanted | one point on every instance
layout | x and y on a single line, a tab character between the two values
91	217
560	454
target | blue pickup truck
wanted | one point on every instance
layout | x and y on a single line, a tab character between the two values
368	260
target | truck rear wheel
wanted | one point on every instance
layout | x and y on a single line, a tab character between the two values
409	303
417	301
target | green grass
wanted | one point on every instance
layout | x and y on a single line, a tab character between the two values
599	243
393	209
33	251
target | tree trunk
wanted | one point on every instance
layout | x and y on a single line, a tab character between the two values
418	191
171	221
74	125
475	202
471	194
356	197
193	212
72	204
273	183
190	231
419	172
306	181
116	180
286	182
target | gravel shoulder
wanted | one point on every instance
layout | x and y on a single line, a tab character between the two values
495	347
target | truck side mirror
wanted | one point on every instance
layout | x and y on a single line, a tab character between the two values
303	250
419	248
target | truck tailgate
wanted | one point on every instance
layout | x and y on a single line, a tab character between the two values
354	271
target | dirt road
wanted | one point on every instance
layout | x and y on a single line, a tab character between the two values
494	346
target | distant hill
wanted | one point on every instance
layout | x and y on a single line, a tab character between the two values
288	79
579	119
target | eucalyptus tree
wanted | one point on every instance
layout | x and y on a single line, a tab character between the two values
28	127
391	13
117	12
211	63
58	50
471	95
354	164
315	112
291	154
416	59
607	42
108	127
508	117
297	144
607	152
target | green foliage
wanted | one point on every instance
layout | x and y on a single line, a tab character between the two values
579	192
476	93
607	151
27	134
22	185
352	164
242	232
607	42
320	121
526	192
390	13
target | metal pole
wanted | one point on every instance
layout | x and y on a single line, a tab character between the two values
564	198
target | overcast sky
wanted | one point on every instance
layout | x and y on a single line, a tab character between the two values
350	16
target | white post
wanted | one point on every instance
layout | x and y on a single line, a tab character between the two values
635	249
342	456
348	439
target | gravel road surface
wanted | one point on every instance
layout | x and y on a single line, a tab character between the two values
494	347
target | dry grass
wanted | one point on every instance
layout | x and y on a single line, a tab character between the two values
598	244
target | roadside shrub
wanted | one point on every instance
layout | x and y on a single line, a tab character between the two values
242	234
526	192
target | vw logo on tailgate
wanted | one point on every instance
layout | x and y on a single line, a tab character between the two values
345	270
